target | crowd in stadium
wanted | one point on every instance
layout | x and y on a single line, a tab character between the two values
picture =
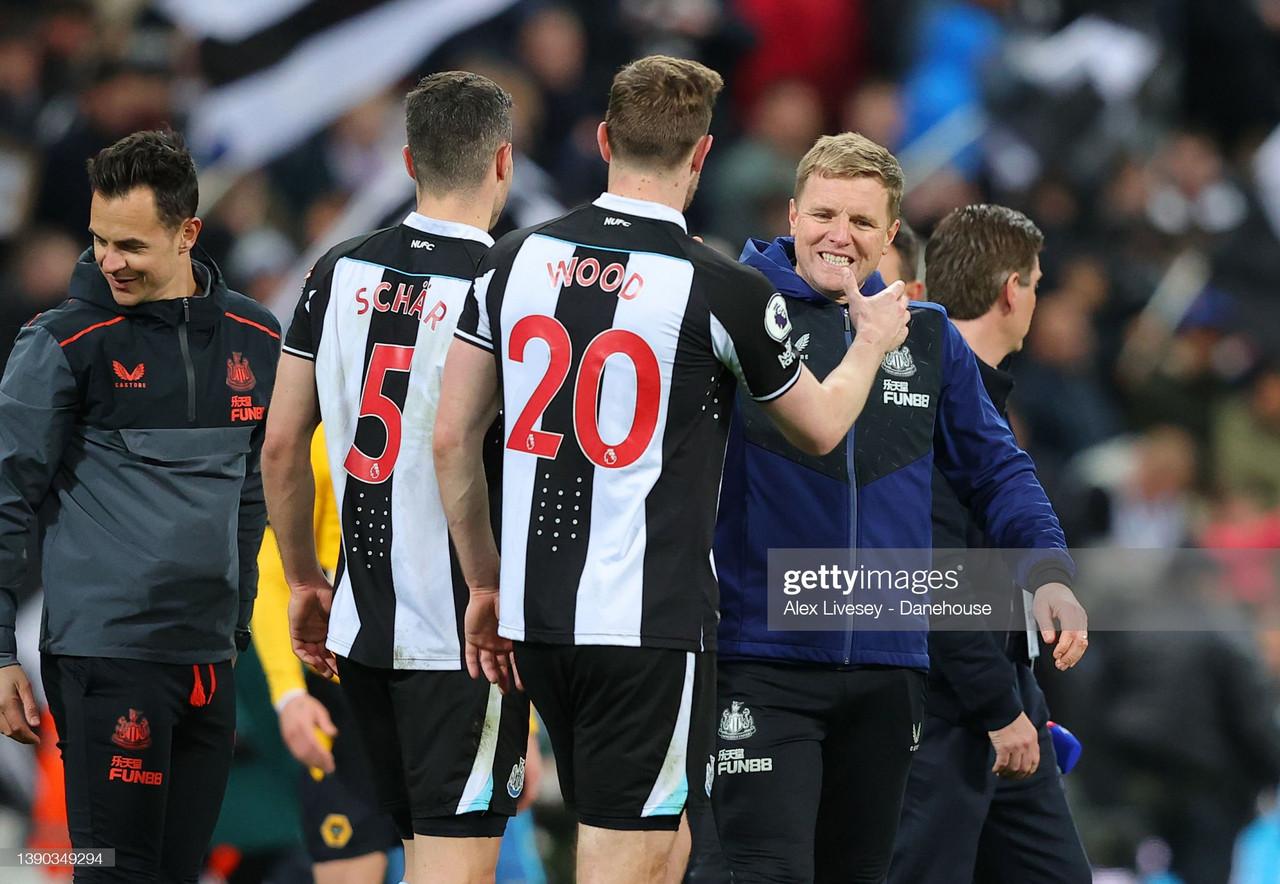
1141	137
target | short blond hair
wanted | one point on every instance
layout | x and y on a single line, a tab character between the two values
659	107
851	155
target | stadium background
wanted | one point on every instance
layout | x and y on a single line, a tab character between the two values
1141	137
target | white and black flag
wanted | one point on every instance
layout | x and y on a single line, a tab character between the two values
280	70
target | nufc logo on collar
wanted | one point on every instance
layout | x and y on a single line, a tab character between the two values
129	379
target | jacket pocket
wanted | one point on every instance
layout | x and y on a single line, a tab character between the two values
174	446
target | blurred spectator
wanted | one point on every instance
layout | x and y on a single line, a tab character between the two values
957	43
21	96
750	184
1190	718
874	109
119	98
1134	492
1059	394
1187	378
552	47
1243	537
1190	192
928	201
345	156
819	42
1246	438
247	236
36	280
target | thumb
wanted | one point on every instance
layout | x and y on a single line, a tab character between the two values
1044	619
29	706
325	723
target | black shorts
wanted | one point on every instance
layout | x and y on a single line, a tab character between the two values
341	817
631	728
146	750
447	752
811	764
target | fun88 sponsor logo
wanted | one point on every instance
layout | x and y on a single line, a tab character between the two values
734	761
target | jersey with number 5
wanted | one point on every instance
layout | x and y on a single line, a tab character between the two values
619	341
377	316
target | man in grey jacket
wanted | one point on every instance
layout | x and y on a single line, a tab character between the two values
131	417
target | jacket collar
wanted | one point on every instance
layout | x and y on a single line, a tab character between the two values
777	261
452	229
999	383
88	284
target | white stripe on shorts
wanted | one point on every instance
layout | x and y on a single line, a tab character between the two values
479	789
672	786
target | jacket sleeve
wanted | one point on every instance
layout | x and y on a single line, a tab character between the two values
980	674
38	407
975	449
971	661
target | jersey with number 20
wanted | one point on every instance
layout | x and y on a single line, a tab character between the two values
619	340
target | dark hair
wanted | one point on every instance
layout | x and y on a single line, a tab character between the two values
455	121
659	107
971	254
156	159
907	242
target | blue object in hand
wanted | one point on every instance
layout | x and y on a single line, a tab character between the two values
1065	745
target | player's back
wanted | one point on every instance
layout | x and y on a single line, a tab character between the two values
619	338
377	316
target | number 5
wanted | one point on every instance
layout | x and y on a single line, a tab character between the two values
374	403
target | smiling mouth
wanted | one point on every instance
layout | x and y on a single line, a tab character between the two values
835	260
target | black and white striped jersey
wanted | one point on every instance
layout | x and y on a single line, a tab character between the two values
377	315
619	340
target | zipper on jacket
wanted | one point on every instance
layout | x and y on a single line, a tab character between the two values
853	497
186	358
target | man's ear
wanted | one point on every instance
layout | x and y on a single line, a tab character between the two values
893	231
602	141
700	151
1009	292
187	234
408	162
505	161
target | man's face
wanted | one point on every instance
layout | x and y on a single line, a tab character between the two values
141	258
839	223
1024	305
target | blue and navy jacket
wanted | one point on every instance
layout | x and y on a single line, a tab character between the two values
874	490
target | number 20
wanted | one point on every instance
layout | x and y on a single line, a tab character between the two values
586	392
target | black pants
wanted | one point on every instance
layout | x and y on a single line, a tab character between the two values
146	749
961	823
810	769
